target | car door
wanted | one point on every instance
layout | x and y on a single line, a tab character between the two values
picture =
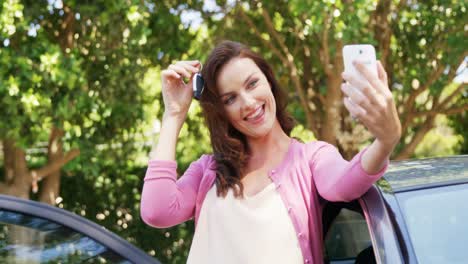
346	235
362	231
32	232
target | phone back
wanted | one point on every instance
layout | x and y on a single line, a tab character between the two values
361	52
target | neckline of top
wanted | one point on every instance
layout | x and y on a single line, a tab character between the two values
262	192
284	160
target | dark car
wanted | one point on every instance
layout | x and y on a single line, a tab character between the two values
32	232
417	213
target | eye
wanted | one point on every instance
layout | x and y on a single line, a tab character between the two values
253	83
229	100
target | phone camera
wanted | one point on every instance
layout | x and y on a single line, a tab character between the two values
360	51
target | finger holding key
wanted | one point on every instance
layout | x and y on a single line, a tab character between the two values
177	95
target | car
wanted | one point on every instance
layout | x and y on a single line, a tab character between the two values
33	232
417	213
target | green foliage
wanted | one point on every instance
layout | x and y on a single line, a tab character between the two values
440	141
460	124
302	133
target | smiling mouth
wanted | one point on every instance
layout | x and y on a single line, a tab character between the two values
257	115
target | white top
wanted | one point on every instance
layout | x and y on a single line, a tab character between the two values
254	230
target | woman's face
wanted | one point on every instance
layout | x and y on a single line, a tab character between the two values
247	97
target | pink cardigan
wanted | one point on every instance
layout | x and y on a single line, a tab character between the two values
307	172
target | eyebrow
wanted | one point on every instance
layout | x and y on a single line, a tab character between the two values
245	82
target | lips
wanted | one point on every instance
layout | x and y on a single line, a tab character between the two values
256	115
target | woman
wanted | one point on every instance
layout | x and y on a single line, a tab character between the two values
259	197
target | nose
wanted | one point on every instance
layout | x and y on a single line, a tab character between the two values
248	101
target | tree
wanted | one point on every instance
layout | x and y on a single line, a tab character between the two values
31	78
71	76
421	45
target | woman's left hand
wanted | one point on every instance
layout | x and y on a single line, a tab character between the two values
372	104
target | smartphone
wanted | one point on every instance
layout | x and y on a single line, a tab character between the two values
361	52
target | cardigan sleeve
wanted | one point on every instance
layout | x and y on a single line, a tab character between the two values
167	201
337	179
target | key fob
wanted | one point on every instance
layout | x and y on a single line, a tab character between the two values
198	86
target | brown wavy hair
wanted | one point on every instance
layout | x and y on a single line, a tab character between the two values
229	145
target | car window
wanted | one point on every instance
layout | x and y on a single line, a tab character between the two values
348	237
436	219
29	239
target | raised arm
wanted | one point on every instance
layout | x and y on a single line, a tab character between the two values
165	200
177	97
371	103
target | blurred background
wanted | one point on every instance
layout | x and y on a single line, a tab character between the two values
80	89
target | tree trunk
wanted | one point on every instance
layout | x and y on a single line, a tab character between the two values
332	110
9	160
50	187
409	149
17	177
22	178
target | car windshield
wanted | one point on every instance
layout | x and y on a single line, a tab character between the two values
437	223
29	239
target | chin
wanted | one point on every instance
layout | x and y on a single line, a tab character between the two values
259	132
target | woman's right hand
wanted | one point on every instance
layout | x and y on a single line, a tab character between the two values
177	95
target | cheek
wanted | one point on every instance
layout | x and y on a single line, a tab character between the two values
232	112
271	100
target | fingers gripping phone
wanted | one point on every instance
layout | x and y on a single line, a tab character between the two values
364	53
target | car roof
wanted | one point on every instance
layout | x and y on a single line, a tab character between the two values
408	175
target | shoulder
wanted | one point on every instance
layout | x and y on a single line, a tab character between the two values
312	150
312	147
206	161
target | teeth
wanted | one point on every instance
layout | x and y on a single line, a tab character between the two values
257	113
